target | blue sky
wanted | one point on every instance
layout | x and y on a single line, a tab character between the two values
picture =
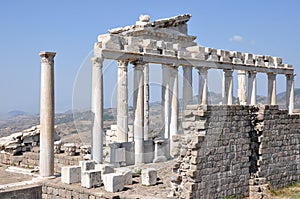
71	27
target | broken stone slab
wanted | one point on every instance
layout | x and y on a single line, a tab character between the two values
70	149
87	165
127	173
91	178
85	149
70	174
149	176
104	168
57	147
113	182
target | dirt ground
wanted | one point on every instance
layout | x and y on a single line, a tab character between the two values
10	177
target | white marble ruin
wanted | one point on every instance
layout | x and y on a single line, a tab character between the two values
166	42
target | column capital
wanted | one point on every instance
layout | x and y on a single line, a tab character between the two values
138	62
252	72
228	72
47	57
97	60
202	70
290	76
241	72
122	63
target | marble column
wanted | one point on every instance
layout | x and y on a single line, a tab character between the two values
252	87
290	98
97	109
122	102
227	92
146	101
242	87
138	127
174	101
203	85
165	101
187	90
47	114
271	88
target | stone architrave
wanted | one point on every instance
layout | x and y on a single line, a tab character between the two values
251	87
187	90
203	87
47	114
138	128
271	88
242	88
290	98
97	110
122	102
227	92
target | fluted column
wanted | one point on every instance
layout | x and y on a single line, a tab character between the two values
166	101
174	101
242	87
271	88
252	88
146	101
138	127
227	92
122	102
290	98
47	114
202	85
187	89
97	109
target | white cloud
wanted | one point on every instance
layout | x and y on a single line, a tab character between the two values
236	38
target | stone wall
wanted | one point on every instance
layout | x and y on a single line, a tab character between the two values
235	151
31	160
30	192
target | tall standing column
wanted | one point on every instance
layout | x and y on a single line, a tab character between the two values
174	101
166	101
187	90
122	102
271	88
202	85
290	98
252	88
97	109
146	101
242	87
47	114
227	92
138	127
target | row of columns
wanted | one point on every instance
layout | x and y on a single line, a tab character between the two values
169	99
141	102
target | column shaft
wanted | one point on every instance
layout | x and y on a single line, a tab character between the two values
146	101
97	110
290	98
227	92
47	114
242	87
166	101
251	88
139	112
174	101
271	88
122	102
187	90
202	85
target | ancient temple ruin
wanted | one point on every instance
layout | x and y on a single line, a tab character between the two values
223	150
168	43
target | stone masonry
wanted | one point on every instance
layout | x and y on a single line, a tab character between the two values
235	151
